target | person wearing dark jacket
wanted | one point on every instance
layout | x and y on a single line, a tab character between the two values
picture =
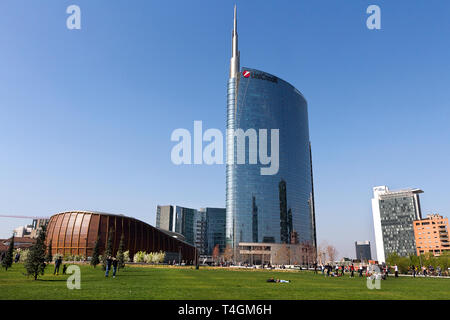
108	265
114	264
58	262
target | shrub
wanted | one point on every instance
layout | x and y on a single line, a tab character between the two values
149	258
126	256
159	257
139	256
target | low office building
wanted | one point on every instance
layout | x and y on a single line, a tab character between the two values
431	235
256	253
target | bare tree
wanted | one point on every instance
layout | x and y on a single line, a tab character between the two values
310	253
228	254
216	253
284	254
332	253
322	253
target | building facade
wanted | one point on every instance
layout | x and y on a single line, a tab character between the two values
393	215
276	254
76	232
177	219
431	234
216	220
201	231
363	252
31	230
184	222
267	208
165	218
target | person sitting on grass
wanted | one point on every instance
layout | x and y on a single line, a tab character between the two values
278	280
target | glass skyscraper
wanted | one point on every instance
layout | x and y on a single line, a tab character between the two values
267	208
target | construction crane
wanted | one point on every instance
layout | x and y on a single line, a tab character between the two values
21	217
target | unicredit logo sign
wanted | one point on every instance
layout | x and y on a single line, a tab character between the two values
260	76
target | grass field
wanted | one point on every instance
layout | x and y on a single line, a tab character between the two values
186	283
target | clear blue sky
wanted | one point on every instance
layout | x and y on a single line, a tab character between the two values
86	115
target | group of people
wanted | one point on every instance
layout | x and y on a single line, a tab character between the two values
425	271
58	263
338	271
111	262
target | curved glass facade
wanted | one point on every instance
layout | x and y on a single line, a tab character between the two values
75	233
269	208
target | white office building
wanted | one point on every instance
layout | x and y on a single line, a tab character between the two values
393	216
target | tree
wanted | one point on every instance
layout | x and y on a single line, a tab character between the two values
49	256
228	254
332	253
284	254
322	253
109	248
120	253
215	253
310	253
8	260
95	254
35	262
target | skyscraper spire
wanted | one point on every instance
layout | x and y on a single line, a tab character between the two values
234	63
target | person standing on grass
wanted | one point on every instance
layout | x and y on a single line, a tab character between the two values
114	264
58	262
17	258
108	265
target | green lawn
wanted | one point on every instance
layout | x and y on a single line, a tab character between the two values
212	283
